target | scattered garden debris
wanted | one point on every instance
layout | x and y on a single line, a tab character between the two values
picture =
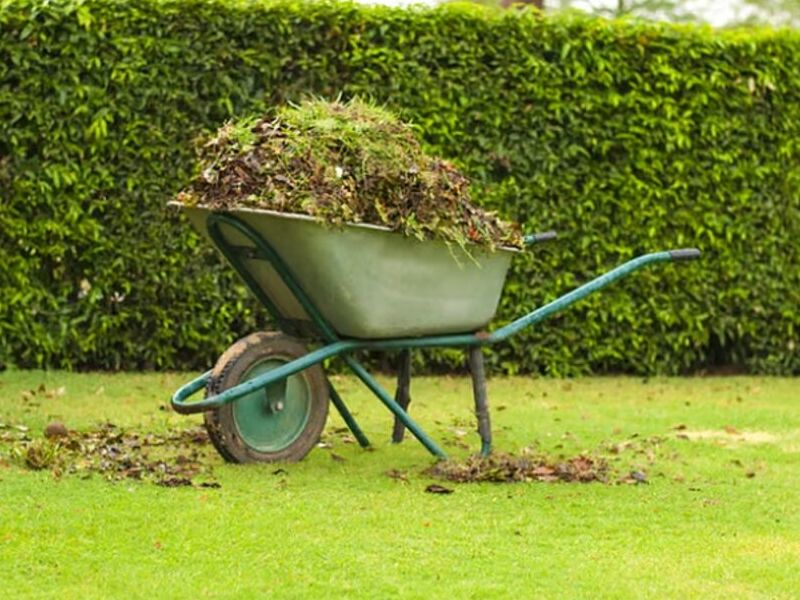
507	468
606	464
342	162
42	392
173	459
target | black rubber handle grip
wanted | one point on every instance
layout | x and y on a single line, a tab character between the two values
685	254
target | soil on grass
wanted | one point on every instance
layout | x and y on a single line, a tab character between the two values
342	163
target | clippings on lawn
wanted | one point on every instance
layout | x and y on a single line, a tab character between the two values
605	465
173	459
342	162
507	468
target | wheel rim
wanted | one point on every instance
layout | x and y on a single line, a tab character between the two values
269	420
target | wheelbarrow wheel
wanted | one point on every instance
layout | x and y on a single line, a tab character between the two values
282	422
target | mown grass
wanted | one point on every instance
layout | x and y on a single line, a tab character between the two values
718	517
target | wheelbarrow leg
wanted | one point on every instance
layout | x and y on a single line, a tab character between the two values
475	358
403	394
348	417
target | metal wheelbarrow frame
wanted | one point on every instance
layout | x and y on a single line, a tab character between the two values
270	387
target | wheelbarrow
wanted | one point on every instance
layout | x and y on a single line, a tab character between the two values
359	287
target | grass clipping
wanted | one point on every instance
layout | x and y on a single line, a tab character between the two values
342	163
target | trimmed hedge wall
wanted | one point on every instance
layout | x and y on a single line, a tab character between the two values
626	137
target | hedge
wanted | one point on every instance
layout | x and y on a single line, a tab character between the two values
627	137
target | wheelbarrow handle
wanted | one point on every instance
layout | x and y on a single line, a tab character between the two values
685	254
534	238
586	289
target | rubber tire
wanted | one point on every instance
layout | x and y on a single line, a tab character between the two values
231	366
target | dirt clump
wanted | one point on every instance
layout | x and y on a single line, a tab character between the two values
55	429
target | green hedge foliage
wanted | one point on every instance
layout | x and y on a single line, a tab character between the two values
625	137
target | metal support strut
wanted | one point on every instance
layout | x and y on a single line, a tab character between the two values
475	358
398	412
403	394
348	417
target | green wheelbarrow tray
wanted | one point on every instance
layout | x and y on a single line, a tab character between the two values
367	281
359	287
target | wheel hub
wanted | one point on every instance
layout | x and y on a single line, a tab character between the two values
269	420
274	406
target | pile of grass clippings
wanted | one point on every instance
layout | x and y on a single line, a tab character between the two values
172	459
507	468
530	466
342	162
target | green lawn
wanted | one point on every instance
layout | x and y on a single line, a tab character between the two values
718	518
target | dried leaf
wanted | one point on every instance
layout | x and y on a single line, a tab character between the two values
175	482
397	475
542	471
438	489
